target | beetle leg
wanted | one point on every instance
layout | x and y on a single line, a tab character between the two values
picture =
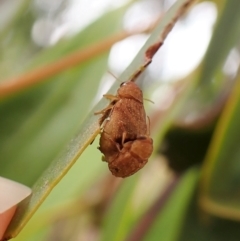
124	137
110	106
104	159
114	142
110	97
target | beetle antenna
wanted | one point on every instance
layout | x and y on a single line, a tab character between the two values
149	100
113	76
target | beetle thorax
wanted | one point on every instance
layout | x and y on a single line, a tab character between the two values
130	90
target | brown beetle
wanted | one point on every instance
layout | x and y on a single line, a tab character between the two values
125	140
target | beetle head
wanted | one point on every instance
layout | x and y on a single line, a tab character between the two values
130	90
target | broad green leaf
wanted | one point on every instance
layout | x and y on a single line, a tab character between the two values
96	31
39	122
220	178
64	108
121	214
31	117
227	29
212	81
198	226
169	221
66	196
219	4
16	45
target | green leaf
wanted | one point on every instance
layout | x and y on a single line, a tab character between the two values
220	176
63	108
62	104
200	227
223	40
169	221
66	197
121	214
38	123
220	179
213	82
16	45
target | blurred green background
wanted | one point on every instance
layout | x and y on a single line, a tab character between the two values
190	189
